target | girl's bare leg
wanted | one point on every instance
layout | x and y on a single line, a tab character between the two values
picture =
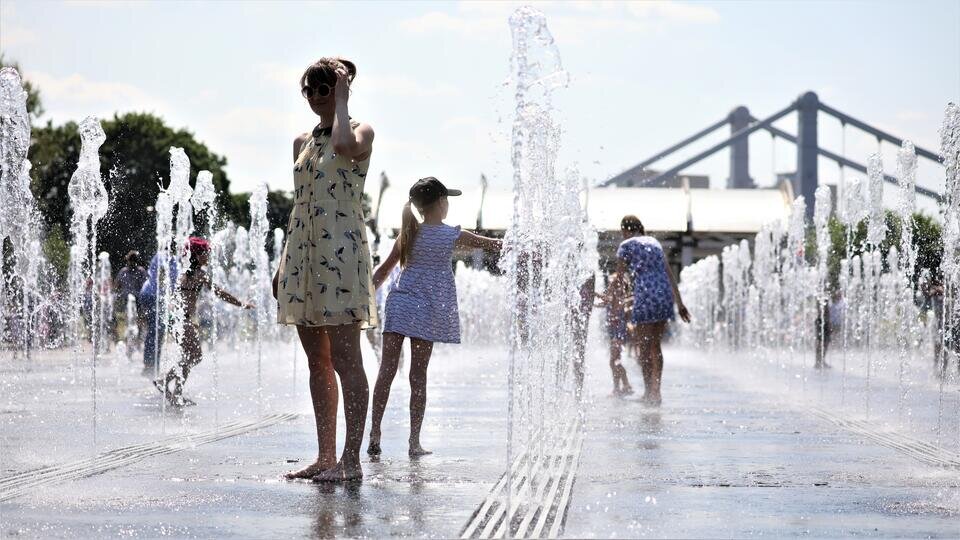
323	392
392	346
348	363
615	365
620	382
420	351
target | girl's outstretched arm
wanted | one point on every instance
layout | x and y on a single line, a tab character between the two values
229	298
469	239
382	271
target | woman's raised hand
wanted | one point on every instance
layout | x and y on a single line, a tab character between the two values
342	88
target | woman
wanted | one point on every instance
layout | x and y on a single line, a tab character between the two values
654	294
323	284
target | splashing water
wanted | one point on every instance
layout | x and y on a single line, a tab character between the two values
260	282
950	264
20	221
204	201
88	198
882	327
545	260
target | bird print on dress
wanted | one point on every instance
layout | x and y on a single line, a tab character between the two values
326	241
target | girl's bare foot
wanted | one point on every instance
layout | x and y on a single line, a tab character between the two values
416	450
341	472
309	471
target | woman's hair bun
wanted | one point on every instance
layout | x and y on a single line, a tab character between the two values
325	69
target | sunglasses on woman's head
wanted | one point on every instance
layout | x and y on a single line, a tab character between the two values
322	90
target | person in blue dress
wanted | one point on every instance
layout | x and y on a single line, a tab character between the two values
422	304
149	302
654	295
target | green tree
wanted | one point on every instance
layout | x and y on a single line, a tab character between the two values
136	161
926	240
34	105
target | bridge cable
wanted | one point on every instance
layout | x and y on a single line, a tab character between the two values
773	157
841	192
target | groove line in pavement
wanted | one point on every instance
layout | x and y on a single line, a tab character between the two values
913	447
17	484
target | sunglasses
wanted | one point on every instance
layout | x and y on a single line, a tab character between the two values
323	90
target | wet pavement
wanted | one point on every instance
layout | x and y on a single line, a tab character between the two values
724	457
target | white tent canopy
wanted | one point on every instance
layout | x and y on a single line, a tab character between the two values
660	209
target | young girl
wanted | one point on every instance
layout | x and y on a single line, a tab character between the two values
613	300
192	282
423	303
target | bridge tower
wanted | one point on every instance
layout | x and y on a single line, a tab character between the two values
806	179
738	119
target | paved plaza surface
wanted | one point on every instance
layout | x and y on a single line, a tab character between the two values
723	457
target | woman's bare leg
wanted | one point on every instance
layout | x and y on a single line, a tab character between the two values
392	346
642	341
653	333
420	351
325	397
348	363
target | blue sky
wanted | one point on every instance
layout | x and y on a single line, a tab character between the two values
432	75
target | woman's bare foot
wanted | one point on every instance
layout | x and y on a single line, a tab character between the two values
373	447
416	450
652	400
341	472
626	390
309	471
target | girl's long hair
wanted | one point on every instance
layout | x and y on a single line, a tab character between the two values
409	226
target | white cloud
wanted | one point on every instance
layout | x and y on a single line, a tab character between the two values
253	122
100	4
10	33
912	116
74	96
281	74
673	11
439	22
13	36
404	86
574	22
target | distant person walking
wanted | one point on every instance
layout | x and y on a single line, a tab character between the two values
129	282
654	295
151	299
324	285
422	305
